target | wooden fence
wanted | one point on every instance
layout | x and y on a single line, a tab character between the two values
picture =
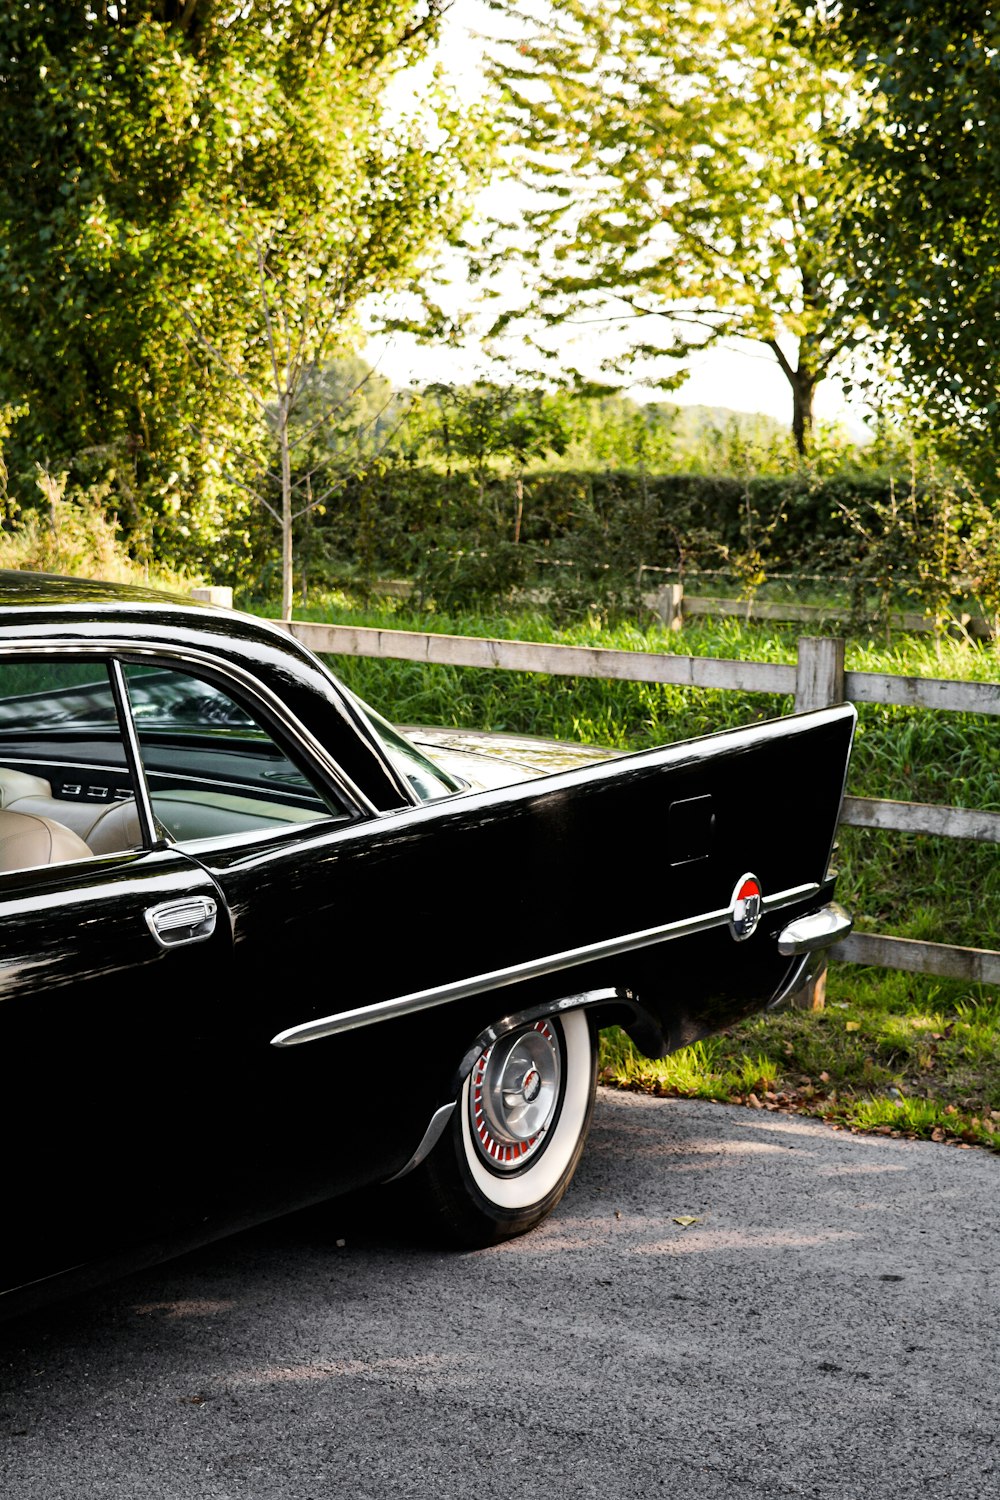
816	680
673	606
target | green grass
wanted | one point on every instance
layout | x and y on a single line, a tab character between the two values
897	1054
891	1052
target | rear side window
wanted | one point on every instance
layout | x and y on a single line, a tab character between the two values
212	766
66	789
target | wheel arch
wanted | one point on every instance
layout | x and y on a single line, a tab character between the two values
606	1006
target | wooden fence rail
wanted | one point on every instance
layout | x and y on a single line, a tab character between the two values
673	605
815	681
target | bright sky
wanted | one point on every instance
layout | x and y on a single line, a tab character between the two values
738	375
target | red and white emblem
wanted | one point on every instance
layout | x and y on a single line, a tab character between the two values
746	906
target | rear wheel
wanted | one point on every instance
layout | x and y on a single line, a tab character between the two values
517	1132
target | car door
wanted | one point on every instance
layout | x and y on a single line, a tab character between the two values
106	1092
111	971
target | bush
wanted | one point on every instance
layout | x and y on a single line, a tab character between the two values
585	536
73	534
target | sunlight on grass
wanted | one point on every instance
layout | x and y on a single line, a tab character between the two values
863	1063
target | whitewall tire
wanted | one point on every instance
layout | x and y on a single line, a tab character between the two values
517	1132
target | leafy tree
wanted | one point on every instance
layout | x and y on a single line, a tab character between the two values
365	409
681	178
614	431
312	430
8	416
148	147
923	260
484	423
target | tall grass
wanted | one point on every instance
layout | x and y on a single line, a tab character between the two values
78	535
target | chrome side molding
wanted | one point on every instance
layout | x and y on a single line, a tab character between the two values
817	930
405	1005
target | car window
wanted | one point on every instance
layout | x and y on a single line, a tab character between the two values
66	789
66	785
55	695
212	766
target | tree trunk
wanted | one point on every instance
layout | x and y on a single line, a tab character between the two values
803	380
287	582
803	393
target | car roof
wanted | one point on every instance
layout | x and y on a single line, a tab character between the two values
82	609
34	605
24	589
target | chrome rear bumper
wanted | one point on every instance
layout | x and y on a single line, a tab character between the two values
818	930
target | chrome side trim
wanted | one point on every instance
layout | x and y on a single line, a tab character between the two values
535	968
817	930
431	1136
794	893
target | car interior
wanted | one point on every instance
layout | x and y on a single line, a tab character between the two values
66	790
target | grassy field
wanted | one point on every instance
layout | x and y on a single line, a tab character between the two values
891	1052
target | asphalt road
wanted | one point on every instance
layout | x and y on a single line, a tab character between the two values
829	1326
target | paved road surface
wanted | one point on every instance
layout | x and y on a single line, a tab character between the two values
828	1327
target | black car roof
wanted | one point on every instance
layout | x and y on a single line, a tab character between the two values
79	607
23	588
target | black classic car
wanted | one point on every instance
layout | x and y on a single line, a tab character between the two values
258	947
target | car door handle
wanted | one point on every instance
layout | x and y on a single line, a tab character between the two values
189	921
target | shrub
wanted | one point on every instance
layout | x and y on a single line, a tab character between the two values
74	534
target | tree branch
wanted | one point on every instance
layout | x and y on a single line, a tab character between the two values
780	356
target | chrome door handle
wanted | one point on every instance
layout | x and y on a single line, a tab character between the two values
189	921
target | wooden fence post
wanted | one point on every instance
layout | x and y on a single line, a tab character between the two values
819	683
668	601
819	677
217	593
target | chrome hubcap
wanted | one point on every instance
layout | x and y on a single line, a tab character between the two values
513	1094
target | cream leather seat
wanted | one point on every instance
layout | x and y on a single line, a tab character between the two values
105	827
27	840
14	784
115	827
